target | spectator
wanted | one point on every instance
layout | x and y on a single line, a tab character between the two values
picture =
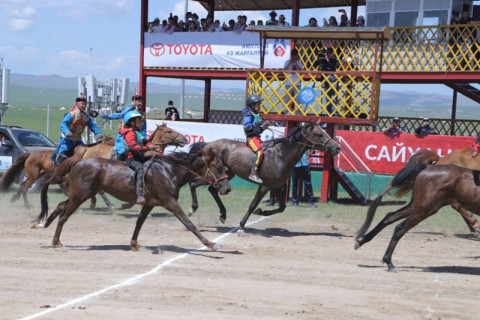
252	23
210	24
260	23
230	27
181	27
155	26
282	22
465	19
360	21
424	129
171	27
343	18
454	44
192	26
312	22
171	113
203	25
272	21
332	22
395	127
466	50
302	169
292	86
241	24
218	28
195	18
328	62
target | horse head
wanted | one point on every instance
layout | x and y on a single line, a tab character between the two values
215	171
317	138
165	136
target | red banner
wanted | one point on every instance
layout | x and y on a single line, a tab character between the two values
381	153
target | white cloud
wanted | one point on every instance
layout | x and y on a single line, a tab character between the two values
17	16
105	8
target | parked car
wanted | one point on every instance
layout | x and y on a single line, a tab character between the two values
15	141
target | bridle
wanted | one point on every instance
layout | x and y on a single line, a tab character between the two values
216	182
312	143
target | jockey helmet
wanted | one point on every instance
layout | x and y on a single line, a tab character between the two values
251	100
130	115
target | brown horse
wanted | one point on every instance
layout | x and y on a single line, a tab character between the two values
39	163
434	186
164	176
280	157
462	158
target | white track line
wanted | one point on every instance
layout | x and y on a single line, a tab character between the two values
133	280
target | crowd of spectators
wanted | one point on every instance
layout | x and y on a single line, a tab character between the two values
207	24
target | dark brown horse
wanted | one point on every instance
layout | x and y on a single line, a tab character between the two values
433	187
164	176
280	157
39	163
462	158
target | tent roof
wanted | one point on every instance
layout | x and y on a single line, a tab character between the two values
345	33
228	5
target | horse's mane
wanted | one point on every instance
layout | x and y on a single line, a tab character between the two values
184	158
293	136
197	146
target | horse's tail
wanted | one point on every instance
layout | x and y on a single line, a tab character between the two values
405	178
13	172
197	146
424	156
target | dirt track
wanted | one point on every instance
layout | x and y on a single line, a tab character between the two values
298	265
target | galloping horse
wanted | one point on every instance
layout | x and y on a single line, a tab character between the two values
278	162
164	176
434	186
462	158
39	163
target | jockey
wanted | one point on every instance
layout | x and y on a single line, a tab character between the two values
476	147
137	146
137	104
252	125
72	127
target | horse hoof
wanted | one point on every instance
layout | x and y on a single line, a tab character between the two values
38	226
357	244
392	269
223	219
214	246
191	212
240	232
257	212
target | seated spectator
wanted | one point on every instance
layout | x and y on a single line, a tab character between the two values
395	127
312	22
332	22
282	22
424	129
260	23
272	21
171	113
171	27
360	21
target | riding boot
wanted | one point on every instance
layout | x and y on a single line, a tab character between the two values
254	175
139	186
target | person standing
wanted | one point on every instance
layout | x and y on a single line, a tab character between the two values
395	127
171	113
302	169
424	129
72	127
253	125
137	147
137	104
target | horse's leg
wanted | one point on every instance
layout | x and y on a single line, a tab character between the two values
469	218
173	206
280	196
193	191
107	202
125	206
134	245
261	191
390	218
68	210
55	213
24	189
93	202
221	207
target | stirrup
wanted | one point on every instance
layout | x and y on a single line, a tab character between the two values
141	199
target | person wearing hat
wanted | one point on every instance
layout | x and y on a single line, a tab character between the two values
137	147
253	125
72	127
171	113
360	21
272	21
424	129
137	104
395	127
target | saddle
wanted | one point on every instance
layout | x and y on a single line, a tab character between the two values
476	179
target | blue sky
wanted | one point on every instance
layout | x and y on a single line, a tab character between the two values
72	38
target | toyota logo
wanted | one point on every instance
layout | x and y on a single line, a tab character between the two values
157	49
